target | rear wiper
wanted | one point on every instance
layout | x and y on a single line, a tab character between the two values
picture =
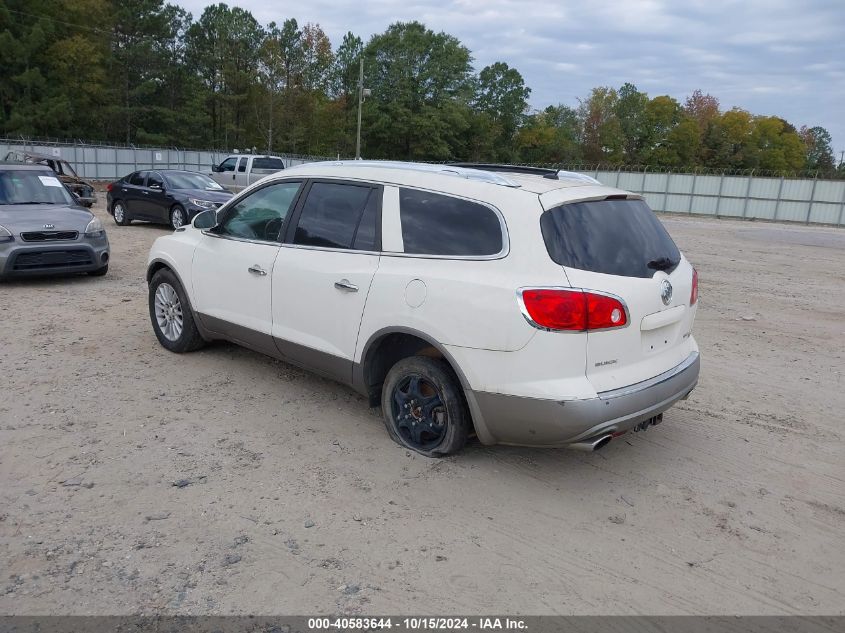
32	202
662	263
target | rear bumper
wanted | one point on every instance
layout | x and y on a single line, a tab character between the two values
54	258
504	419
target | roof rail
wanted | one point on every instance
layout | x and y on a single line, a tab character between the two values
514	169
574	175
447	169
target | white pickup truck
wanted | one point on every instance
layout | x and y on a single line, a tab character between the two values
241	170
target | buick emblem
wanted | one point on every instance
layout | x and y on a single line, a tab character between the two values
666	292
49	226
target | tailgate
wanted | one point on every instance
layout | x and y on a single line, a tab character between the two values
618	246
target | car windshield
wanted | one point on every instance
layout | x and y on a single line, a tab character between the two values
187	180
19	186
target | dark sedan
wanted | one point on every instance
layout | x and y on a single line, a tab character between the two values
164	196
43	230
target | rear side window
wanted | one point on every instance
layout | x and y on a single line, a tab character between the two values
435	224
614	237
265	162
331	214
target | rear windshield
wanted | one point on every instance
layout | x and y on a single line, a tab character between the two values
614	237
265	162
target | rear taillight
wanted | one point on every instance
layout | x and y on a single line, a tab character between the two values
693	295
604	311
109	186
573	310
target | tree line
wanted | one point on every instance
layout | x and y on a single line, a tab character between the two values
147	72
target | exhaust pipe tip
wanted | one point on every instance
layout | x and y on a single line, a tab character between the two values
590	446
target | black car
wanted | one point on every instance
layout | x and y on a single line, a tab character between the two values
165	196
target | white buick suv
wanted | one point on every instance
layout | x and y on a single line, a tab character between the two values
526	307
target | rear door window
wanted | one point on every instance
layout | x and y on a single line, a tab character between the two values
332	214
368	236
436	224
614	237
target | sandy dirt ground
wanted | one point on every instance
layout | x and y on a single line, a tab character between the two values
133	480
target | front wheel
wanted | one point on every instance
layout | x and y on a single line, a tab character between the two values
119	212
423	407
177	217
170	313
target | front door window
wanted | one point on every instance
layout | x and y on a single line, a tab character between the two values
261	215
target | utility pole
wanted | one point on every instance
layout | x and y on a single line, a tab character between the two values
270	133
360	101
363	93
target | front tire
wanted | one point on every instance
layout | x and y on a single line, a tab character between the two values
177	217
423	407
171	316
118	211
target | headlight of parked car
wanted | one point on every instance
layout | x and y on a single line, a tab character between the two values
204	204
5	234
94	228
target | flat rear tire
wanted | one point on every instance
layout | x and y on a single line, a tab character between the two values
423	407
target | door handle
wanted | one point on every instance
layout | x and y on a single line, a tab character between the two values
146	193
257	270
345	284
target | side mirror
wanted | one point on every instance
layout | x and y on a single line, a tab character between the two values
205	220
215	168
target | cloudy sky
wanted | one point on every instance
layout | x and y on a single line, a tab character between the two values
772	57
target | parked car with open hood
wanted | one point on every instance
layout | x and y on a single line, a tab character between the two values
527	307
43	231
164	196
82	189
